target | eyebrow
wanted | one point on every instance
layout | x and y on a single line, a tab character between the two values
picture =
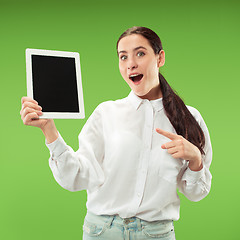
135	49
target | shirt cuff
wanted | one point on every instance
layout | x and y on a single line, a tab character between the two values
193	176
58	147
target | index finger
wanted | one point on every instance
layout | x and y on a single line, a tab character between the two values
28	99
169	135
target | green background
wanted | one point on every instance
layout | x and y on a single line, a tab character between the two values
201	41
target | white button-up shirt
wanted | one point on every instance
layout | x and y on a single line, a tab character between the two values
122	166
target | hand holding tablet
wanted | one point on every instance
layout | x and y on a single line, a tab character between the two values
54	81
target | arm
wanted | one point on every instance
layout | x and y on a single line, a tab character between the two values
82	169
195	185
72	170
194	179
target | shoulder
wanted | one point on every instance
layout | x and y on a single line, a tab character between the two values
197	115
111	105
194	112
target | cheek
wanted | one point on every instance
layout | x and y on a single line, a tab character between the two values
153	70
122	71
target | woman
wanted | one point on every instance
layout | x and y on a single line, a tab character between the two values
134	152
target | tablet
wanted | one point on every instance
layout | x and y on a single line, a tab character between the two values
54	81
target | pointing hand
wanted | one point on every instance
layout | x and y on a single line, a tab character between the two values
179	147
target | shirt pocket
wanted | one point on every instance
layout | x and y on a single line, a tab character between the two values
159	229
168	167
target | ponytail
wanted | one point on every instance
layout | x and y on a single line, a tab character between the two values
180	117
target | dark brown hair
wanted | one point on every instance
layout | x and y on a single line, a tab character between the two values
177	112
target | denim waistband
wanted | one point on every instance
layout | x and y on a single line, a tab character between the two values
129	223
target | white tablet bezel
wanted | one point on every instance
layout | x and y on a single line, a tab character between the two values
41	52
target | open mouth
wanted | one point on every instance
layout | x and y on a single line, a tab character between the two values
136	77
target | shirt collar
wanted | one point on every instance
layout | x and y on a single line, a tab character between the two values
137	102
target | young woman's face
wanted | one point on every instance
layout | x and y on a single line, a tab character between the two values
139	66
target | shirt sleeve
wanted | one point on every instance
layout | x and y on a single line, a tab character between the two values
195	185
82	169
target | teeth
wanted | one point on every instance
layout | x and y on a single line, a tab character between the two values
134	75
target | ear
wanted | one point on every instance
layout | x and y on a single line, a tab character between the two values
161	58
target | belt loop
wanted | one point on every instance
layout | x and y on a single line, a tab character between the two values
139	224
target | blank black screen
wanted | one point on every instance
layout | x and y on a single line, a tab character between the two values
54	83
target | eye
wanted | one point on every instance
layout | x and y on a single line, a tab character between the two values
123	57
140	54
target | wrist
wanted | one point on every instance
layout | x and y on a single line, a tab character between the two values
195	165
50	131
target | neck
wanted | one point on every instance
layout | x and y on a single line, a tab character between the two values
154	93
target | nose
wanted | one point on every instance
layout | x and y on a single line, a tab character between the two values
132	64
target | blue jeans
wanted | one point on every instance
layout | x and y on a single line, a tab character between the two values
110	227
